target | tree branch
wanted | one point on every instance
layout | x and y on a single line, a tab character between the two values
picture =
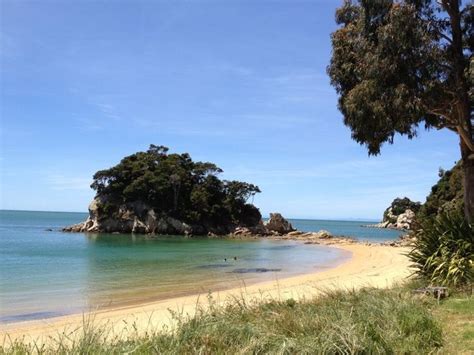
445	114
447	38
465	137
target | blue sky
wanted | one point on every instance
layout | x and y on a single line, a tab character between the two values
239	83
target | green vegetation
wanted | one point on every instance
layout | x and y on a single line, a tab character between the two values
400	64
399	206
443	250
175	185
446	195
369	321
457	317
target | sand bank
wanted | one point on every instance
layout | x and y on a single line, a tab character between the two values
370	265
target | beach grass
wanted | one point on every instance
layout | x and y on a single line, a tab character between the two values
456	315
339	322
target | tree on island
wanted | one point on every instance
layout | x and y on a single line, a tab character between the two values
174	185
399	206
399	64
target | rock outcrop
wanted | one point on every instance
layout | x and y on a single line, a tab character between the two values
132	218
403	221
276	223
400	215
140	218
155	191
405	240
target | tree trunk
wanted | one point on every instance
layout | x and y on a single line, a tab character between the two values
468	168
460	64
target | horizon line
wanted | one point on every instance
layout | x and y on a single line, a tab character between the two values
355	219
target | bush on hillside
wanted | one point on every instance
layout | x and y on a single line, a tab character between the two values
446	195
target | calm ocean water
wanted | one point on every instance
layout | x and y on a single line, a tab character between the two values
353	229
48	273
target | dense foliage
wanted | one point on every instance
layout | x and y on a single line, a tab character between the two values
444	249
399	206
445	195
177	186
399	64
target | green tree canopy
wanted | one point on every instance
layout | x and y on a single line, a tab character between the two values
176	185
399	206
400	64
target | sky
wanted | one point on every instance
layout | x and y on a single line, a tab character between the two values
242	84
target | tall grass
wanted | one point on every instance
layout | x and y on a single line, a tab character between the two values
444	250
369	321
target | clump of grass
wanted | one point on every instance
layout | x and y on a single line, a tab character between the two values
340	322
443	251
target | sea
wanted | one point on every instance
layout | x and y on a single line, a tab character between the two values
47	273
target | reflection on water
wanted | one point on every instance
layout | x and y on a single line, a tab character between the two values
29	316
212	266
253	270
280	247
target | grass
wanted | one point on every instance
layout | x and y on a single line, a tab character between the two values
368	321
457	318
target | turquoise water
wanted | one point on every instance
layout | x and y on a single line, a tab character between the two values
348	228
46	273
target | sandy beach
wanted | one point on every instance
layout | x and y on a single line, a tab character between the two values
370	265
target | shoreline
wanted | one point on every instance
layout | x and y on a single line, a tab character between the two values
369	265
251	280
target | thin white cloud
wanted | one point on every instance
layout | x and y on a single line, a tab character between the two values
108	110
63	182
299	87
343	169
237	125
89	124
234	69
299	77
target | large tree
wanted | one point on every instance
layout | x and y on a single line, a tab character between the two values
400	64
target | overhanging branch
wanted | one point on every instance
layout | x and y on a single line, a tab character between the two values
466	138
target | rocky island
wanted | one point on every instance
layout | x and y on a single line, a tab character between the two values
446	195
155	192
399	215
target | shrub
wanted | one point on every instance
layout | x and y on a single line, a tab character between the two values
444	249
